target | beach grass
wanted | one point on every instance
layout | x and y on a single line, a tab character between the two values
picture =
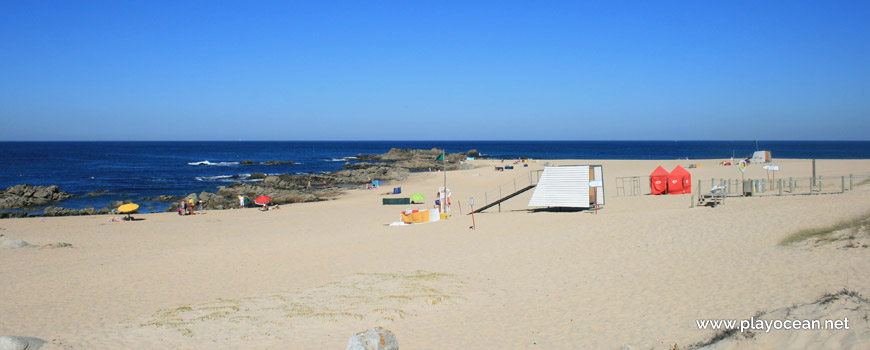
825	233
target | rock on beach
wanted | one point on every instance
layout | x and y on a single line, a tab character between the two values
20	343
376	338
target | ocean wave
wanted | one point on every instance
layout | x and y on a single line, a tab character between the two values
343	159
223	178
205	162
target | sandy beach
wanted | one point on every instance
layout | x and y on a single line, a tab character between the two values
308	276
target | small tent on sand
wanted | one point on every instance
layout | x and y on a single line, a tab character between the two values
658	181
679	181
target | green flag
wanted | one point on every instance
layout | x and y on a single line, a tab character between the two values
440	157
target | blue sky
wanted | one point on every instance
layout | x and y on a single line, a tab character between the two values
434	70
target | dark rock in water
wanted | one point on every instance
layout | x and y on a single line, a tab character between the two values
20	343
396	154
414	160
19	196
96	193
247	162
472	153
257	176
13	214
362	165
162	198
116	204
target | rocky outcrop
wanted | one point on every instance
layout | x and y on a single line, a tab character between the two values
376	338
57	211
257	176
361	176
361	165
213	201
397	154
274	189
414	160
21	196
13	214
161	198
96	193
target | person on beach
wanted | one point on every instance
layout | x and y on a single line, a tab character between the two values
182	208
241	201
200	205
190	203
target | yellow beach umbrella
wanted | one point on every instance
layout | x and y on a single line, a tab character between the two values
126	208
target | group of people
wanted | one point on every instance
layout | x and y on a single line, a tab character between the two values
121	218
187	205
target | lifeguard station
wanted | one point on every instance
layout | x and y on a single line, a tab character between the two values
569	187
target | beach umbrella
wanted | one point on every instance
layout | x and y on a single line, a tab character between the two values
262	200
417	197
127	208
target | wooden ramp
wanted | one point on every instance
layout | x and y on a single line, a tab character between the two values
502	199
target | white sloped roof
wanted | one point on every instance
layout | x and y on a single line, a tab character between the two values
566	186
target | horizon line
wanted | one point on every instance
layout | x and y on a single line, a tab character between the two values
398	140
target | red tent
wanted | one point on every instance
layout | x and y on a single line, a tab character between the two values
658	181
679	181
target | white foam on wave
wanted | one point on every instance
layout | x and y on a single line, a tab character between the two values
205	162
223	178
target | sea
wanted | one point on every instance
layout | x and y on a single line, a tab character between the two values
135	170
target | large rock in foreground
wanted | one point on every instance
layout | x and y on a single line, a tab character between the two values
20	343
373	339
20	196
